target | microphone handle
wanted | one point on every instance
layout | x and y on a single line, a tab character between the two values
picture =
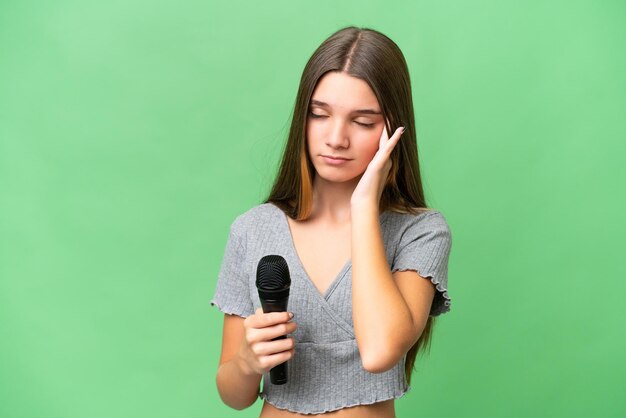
278	373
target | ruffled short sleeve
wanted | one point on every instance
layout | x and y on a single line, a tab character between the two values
425	248
232	292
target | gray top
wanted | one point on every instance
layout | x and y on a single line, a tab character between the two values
326	373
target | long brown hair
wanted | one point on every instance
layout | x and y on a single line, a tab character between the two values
373	57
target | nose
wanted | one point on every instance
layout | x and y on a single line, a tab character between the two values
337	136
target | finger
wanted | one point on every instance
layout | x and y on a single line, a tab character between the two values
265	348
269	333
398	132
253	319
262	320
268	362
384	137
394	139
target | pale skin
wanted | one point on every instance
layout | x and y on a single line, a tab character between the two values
390	310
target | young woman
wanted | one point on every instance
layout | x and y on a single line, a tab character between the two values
368	259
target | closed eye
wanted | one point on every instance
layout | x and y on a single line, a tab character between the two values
365	125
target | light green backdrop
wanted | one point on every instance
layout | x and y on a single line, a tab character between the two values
133	132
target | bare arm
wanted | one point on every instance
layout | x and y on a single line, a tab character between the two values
389	310
248	352
237	385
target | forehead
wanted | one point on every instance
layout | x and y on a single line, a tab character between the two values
343	92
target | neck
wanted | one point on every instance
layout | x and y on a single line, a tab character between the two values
331	201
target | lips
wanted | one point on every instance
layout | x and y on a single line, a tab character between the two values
333	157
335	161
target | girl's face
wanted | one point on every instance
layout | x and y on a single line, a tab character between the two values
345	122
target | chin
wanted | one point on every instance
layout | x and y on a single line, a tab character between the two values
337	176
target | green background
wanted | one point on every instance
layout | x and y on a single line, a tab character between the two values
132	133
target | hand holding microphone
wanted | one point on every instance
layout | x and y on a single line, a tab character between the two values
260	349
265	346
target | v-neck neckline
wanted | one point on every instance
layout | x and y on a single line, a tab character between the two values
294	252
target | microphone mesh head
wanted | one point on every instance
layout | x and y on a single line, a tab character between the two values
272	273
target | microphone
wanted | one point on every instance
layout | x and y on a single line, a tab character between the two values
272	282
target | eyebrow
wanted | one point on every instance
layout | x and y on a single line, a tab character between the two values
362	111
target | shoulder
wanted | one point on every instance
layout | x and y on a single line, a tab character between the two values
254	217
